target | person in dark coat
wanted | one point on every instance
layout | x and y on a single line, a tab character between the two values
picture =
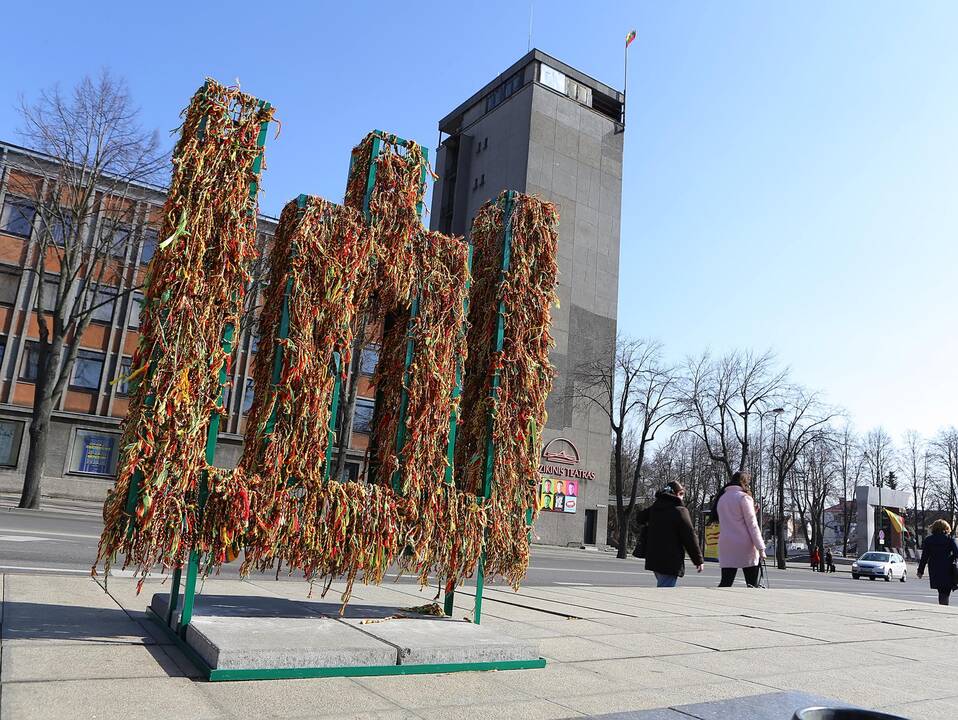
669	536
829	562
939	553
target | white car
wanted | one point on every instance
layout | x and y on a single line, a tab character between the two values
884	565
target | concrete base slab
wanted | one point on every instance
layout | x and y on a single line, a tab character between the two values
232	632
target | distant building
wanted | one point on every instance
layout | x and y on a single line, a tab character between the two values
545	128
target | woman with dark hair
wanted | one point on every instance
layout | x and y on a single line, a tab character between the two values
740	540
939	553
669	536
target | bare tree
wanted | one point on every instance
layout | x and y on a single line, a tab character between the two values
916	465
946	453
851	466
720	397
879	452
806	422
96	155
812	483
637	393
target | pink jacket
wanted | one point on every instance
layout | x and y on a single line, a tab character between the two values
740	539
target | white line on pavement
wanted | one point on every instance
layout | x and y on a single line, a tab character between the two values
44	569
574	584
53	534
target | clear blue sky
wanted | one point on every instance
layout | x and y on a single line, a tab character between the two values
791	171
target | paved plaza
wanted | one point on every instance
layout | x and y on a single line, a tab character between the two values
71	650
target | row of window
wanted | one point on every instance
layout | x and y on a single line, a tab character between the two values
17	215
102	300
87	369
92	452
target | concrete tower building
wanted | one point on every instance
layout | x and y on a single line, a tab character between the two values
546	129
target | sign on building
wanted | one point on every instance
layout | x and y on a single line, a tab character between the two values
560	472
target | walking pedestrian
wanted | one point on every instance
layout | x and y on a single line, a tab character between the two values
814	559
669	535
939	553
829	565
740	540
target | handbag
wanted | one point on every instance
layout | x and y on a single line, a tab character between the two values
762	575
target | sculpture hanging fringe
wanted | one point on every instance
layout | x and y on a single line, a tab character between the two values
194	293
508	421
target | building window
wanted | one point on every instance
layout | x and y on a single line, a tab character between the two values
504	91
122	385
11	433
550	77
363	416
62	227
50	295
114	238
254	342
369	359
149	245
3	348
94	453
87	370
482	180
9	282
350	472
16	218
102	302
136	305
247	397
30	364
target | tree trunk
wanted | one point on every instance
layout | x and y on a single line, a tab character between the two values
39	433
623	551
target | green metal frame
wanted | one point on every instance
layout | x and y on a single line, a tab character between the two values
213	675
497	342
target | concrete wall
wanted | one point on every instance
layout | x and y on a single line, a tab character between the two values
575	161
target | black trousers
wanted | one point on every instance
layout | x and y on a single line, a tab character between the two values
943	596
750	573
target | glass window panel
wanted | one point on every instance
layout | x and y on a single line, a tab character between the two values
87	370
122	385
149	245
103	302
9	282
16	218
136	305
363	416
248	397
11	434
369	359
30	362
94	453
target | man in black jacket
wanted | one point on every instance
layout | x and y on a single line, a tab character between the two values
669	536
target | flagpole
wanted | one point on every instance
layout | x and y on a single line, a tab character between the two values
625	81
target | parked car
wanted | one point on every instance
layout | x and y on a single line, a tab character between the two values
880	565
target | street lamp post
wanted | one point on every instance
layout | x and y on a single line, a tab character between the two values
780	530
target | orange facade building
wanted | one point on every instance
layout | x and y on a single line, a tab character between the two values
85	430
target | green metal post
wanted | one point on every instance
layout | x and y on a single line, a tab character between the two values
333	414
494	394
450	598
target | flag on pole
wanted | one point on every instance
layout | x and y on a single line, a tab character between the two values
629	38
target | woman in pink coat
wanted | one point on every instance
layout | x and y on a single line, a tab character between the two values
740	540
